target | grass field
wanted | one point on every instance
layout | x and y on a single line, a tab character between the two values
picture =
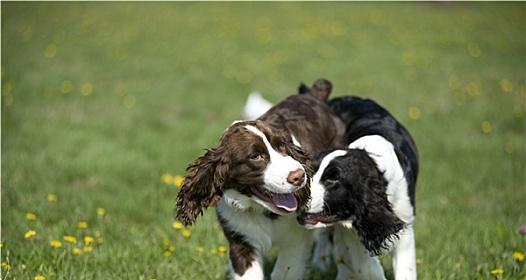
99	100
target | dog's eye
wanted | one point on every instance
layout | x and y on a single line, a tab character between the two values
330	182
256	156
331	176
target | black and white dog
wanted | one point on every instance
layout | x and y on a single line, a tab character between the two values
366	191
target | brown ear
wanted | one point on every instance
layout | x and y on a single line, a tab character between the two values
202	186
321	89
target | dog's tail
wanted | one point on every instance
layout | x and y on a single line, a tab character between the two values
255	106
321	89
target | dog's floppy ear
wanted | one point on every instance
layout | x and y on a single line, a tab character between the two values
321	89
376	223
202	186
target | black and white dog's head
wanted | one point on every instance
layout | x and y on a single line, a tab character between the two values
348	188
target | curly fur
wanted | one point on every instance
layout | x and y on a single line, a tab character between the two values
374	219
202	186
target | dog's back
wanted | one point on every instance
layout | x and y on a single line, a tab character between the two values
308	118
365	117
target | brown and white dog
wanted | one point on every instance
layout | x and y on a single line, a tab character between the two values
258	177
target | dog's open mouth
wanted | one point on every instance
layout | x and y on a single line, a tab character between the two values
314	218
283	201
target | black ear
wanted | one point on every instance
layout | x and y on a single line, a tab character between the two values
376	223
202	186
303	89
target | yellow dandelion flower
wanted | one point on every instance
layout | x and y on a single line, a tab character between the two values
50	51
506	85
101	212
177	225
55	243
5	266
200	249
186	233
486	127
244	77
8	88
82	225
518	256
76	251
70	239
414	113
458	265
167	178
473	49
170	248
40	277
31	216
52	197
473	88
508	147
221	249
178	181
66	86
88	240
30	234
129	101
86	89
167	253
497	272
87	249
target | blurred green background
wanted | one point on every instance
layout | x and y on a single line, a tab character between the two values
104	103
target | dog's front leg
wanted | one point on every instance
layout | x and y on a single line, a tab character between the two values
404	256
356	262
293	256
244	263
322	255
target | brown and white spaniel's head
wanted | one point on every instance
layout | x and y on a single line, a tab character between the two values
253	164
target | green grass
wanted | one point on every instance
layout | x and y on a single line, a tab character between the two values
167	78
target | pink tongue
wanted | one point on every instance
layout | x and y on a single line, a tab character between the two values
285	202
